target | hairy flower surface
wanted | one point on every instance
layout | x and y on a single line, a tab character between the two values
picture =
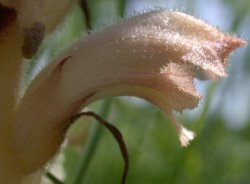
154	56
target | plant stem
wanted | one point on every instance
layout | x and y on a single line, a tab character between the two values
86	12
52	178
92	142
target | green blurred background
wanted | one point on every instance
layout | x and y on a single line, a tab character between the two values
221	152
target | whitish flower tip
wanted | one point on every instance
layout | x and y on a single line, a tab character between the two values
185	136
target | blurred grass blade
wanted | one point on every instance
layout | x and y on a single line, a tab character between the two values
201	119
121	8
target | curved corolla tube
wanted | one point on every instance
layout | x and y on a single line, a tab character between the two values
154	56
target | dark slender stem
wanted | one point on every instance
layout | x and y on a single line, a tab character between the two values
52	178
117	135
86	12
91	144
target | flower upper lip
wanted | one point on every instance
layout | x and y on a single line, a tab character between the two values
212	57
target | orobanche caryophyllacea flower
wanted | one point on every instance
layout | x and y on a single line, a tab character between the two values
154	56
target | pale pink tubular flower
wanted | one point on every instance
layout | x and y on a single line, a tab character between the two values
154	56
